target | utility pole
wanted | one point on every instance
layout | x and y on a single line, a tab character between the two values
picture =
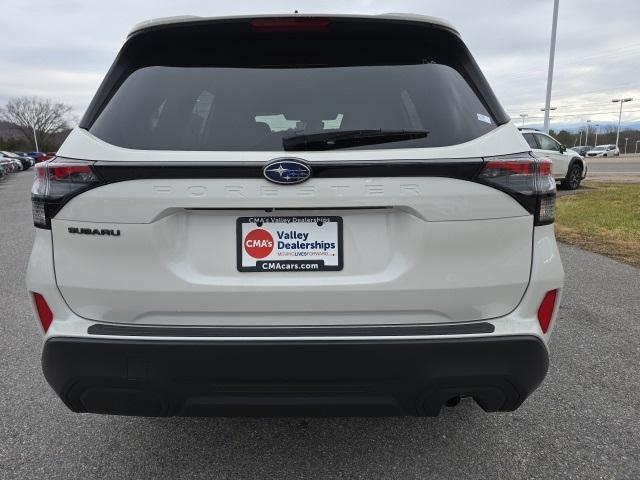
580	141
626	139
622	101
597	125
523	115
552	54
586	137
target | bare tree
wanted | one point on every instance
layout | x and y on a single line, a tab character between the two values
39	117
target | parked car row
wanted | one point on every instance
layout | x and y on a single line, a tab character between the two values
41	156
16	161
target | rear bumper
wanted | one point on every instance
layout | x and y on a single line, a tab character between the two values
291	377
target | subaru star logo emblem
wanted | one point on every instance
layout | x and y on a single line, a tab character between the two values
287	171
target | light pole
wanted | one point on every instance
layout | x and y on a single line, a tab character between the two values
523	115
552	53
547	118
35	139
622	101
626	139
596	127
586	137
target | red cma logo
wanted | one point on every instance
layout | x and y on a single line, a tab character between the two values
258	243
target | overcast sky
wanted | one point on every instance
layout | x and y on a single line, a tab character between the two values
61	49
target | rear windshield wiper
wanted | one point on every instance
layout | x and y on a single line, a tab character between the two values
348	138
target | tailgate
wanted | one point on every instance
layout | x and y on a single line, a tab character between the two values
415	250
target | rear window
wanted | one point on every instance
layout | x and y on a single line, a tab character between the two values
191	102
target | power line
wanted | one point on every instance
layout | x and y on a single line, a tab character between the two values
617	55
621	51
592	113
614	89
612	54
584	114
633	85
619	86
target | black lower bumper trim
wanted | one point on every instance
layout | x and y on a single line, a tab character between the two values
264	378
330	331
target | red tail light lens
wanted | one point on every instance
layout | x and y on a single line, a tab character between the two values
545	312
502	168
67	172
44	312
526	178
56	182
290	24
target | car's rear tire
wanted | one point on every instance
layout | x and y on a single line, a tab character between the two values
573	178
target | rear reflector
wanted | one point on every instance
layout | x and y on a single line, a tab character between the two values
546	209
288	24
545	312
44	312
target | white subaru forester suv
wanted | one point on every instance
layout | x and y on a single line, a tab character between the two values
294	215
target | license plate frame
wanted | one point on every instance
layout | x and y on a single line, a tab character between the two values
307	224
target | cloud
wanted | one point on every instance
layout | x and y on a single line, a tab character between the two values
598	48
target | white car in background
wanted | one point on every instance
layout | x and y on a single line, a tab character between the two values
568	168
331	215
604	151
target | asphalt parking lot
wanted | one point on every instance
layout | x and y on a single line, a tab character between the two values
582	423
623	168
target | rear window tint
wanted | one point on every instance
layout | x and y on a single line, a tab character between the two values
179	108
220	85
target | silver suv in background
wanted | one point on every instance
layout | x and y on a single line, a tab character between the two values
568	167
604	151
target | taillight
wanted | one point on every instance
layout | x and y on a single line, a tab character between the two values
528	179
44	312
56	182
290	24
545	311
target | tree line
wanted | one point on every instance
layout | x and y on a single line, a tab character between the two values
606	135
27	121
33	123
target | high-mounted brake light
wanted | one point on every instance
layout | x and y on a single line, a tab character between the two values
56	182
44	312
290	24
526	178
545	312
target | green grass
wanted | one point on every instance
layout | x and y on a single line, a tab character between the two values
604	218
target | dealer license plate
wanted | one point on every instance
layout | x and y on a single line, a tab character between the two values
289	244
